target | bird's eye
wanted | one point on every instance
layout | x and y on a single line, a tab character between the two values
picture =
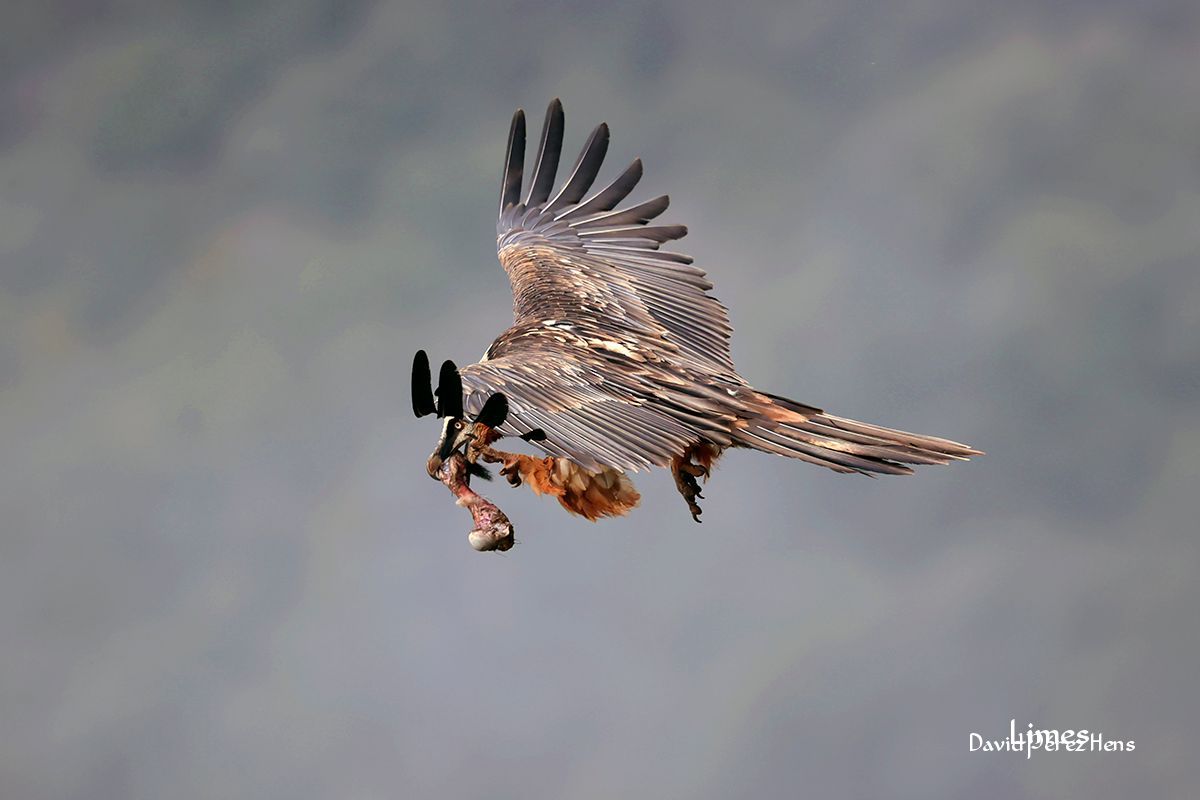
458	425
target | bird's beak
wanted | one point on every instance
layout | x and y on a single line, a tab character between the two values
449	443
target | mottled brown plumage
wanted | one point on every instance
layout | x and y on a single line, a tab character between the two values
619	354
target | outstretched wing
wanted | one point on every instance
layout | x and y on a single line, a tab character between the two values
617	350
585	261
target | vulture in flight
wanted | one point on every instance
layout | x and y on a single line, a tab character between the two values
618	356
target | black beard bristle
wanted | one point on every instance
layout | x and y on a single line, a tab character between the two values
479	471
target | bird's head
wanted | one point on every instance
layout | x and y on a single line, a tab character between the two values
457	431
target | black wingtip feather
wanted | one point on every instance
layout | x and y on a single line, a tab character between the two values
634	215
514	162
494	411
549	150
607	198
587	166
449	391
422	386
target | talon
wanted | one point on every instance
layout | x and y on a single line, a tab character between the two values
685	481
511	472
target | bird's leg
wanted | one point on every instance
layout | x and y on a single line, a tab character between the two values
517	466
686	472
514	464
480	449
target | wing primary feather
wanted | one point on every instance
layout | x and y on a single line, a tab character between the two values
494	412
422	386
549	150
608	197
655	233
587	166
634	215
634	252
449	391
514	162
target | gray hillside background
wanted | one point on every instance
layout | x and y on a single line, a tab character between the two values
226	227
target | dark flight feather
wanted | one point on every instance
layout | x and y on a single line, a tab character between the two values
657	233
494	411
449	391
608	197
514	162
584	173
635	215
422	386
549	150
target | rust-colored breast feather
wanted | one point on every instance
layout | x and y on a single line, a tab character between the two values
705	454
591	494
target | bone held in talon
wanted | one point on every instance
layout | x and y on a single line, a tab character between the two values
492	530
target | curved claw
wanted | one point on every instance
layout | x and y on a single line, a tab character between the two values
685	482
512	473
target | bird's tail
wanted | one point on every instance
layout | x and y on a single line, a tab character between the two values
792	429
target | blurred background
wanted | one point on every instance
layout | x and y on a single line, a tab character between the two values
226	227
